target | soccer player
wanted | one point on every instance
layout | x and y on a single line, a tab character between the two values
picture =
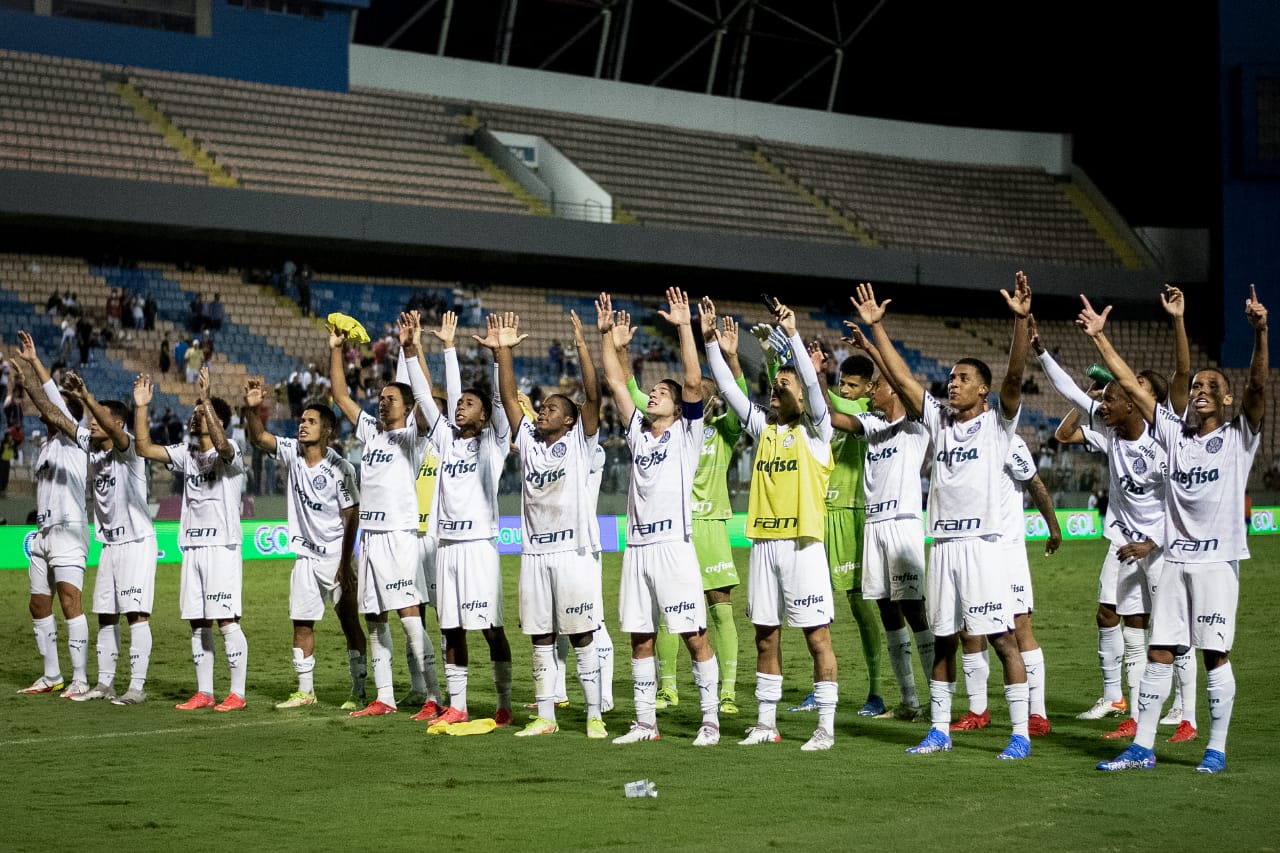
893	565
208	534
968	588
387	570
559	573
788	575
1208	455
126	576
61	544
323	512
711	511
473	447
660	569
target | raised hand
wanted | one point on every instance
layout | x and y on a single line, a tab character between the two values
707	315
409	327
622	331
448	330
578	338
142	390
604	313
786	319
728	336
202	384
817	357
678	313
26	346
1020	300
509	330
1175	305
1090	321
869	311
490	341
253	392
856	338
336	339
1033	335
73	386
1255	311
19	375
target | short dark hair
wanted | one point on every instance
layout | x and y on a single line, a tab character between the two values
979	365
573	407
857	365
677	390
75	407
327	420
406	393
485	402
223	410
117	409
1159	385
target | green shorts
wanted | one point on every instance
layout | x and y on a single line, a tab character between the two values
844	547
715	556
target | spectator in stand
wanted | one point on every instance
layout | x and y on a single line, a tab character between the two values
139	311
10	441
150	308
115	307
216	312
197	322
193	360
555	360
304	290
70	305
180	353
165	362
53	306
84	339
68	340
206	346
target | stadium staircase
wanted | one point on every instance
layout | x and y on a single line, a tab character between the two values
856	231
179	141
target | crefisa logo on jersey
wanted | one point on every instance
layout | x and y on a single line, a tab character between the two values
1214	444
559	450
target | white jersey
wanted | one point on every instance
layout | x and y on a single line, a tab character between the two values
1204	494
466	503
557	506
317	496
1137	471
659	502
388	470
891	476
969	457
211	499
59	476
120	511
595	476
1018	468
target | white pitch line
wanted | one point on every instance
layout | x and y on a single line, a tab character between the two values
147	732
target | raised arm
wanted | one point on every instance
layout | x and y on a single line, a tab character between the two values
40	378
1175	306
680	316
402	371
1044	503
1061	380
1020	304
75	387
508	390
815	395
212	423
258	435
410	330
894	368
715	341
338	377
142	394
590	410
1255	393
447	336
60	420
610	357
1092	324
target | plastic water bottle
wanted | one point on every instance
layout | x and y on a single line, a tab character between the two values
640	788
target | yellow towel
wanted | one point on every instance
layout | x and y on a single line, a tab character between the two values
349	326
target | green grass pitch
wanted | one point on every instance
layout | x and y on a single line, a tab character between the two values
149	777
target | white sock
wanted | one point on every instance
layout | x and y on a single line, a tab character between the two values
1222	700
415	640
456	680
78	647
706	675
644	677
940	693
305	668
1185	670
139	653
1135	658
108	652
47	643
589	677
977	670
899	643
544	680
825	693
1015	695
236	646
604	652
502	682
562	658
1157	681
768	695
380	652
430	675
202	657
1112	651
358	665
1034	662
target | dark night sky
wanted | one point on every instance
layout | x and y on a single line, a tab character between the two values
1135	83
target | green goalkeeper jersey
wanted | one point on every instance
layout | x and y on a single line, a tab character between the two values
844	489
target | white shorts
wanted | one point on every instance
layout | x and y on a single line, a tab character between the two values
559	593
599	611
427	568
1019	570
126	581
387	579
210	582
1195	606
58	555
468	585
968	588
313	584
1127	585
893	560
661	583
787	579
